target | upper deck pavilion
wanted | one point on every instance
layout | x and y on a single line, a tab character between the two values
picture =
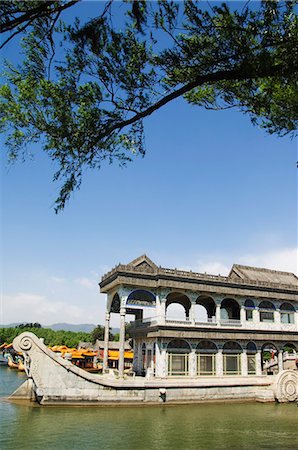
142	272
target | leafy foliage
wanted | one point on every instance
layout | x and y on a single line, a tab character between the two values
88	107
99	333
51	337
29	325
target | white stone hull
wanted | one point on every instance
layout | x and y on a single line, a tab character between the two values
54	380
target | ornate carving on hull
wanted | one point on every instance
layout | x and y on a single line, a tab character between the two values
286	388
25	343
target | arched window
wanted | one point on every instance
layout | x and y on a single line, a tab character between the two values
232	358
289	347
249	307
177	307
205	309
206	363
287	313
269	358
266	311
141	297
178	357
115	306
251	350
229	310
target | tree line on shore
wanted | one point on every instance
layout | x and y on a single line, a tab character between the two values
55	337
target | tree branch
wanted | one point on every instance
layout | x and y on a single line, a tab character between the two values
223	75
34	13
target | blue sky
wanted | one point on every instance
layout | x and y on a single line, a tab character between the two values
212	190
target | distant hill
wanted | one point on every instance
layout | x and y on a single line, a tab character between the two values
85	327
10	325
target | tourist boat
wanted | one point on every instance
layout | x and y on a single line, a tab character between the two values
21	365
3	360
11	363
217	349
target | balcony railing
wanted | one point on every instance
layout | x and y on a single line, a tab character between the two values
211	322
151	321
174	321
231	322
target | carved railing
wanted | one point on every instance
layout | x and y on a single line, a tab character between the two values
174	321
231	322
158	320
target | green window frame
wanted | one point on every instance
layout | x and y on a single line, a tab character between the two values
206	364
287	317
249	314
251	364
232	364
267	316
178	364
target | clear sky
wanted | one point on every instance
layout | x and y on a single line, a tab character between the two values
212	190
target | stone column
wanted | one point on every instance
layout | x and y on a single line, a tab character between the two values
255	316
157	307
277	317
121	342
259	362
192	312
219	363
242	315
192	363
280	361
161	360
217	313
158	361
106	342
192	316
162	311
244	370
140	358
135	363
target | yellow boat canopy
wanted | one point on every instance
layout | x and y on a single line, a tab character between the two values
114	355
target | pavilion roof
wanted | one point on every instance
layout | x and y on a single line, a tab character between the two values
264	275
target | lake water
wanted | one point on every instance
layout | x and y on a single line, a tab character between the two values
204	426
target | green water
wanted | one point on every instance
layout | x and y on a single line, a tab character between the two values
204	426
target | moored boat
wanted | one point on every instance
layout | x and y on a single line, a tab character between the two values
11	363
21	366
3	360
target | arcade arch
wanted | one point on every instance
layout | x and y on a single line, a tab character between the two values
232	358
251	351
266	310
177	306
178	351
287	313
269	357
204	309
206	358
249	306
229	309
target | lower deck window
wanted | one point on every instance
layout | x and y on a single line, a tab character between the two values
206	364
287	317
251	364
178	364
249	314
266	316
232	364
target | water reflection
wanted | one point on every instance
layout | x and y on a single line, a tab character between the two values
203	426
